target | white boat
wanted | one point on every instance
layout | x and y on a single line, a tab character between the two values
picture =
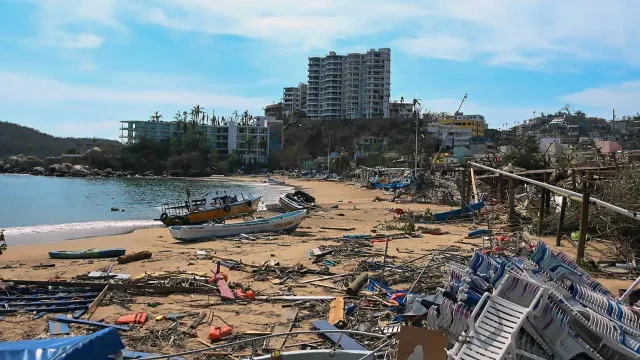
286	222
275	181
296	200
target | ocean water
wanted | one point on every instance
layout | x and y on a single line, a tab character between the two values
36	208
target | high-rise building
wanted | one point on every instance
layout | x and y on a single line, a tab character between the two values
349	86
294	98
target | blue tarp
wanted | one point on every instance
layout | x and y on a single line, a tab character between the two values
97	346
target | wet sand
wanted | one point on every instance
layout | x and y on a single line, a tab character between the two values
358	211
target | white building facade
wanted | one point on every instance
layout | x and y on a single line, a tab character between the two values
294	98
227	138
349	86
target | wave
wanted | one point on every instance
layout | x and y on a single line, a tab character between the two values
39	229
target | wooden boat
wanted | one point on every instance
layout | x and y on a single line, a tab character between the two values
297	200
87	254
208	208
286	222
275	181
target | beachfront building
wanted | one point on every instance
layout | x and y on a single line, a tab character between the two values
349	86
400	110
227	138
475	123
294	98
370	144
275	110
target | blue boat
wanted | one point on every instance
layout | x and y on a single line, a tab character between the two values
101	345
88	254
444	216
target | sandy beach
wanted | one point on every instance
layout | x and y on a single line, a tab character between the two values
355	209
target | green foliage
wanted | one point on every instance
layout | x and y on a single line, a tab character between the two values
526	154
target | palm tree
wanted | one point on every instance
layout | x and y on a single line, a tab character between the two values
155	117
177	117
214	122
264	145
250	144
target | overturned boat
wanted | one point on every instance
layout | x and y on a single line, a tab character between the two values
282	223
297	200
210	207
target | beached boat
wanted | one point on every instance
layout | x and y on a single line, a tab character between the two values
210	207
444	216
286	222
297	200
87	254
275	181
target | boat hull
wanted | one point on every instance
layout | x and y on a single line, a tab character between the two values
247	206
444	216
290	205
281	223
87	254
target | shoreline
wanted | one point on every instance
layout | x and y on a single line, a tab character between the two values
344	208
31	234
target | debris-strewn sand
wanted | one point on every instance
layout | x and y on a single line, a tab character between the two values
357	205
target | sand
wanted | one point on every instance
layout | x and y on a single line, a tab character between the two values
356	204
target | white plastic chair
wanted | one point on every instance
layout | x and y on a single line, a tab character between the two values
493	334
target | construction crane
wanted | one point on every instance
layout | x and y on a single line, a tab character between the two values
444	140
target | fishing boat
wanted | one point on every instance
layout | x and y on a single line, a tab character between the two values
297	200
444	216
274	181
87	254
286	223
210	207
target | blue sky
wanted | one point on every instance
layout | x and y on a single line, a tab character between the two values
77	67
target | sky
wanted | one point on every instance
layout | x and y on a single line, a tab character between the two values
77	67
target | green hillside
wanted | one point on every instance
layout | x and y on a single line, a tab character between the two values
17	139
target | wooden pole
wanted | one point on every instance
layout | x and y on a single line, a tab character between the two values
543	196
500	190
573	180
563	209
384	259
463	188
512	201
584	224
547	197
467	192
475	188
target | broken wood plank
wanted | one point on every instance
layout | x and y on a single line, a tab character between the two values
58	328
100	286
340	339
336	312
87	322
96	302
337	228
194	325
225	292
322	278
473	183
284	325
356	284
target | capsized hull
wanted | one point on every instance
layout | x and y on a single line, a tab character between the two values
88	254
285	222
247	206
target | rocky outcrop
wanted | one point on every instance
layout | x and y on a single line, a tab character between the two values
37	171
79	171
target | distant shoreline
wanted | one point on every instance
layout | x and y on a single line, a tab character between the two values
33	236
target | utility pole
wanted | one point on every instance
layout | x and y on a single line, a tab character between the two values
329	157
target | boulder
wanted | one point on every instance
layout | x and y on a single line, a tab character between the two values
13	160
79	171
7	168
37	171
55	169
109	172
51	160
66	167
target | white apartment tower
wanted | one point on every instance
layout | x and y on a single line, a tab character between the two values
349	86
294	98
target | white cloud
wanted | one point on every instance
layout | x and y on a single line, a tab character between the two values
623	97
33	90
439	47
530	33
